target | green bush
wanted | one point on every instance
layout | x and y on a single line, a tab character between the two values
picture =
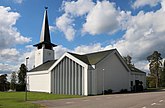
109	91
20	87
123	91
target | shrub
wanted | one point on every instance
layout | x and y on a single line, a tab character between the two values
20	87
123	91
109	91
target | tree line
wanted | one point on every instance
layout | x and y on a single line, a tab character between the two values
17	80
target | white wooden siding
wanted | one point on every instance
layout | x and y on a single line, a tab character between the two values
67	78
112	74
38	82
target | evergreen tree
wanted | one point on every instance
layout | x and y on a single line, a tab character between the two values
22	74
128	60
155	66
21	78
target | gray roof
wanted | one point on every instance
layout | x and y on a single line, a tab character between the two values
90	59
93	58
134	69
44	66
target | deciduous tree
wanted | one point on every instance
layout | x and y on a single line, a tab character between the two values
162	77
155	66
13	81
4	84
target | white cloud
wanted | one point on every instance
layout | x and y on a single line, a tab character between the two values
65	24
72	9
7	68
103	18
9	33
83	49
142	65
18	1
52	28
79	7
144	34
141	3
10	57
163	5
59	51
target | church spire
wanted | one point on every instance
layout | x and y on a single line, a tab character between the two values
45	34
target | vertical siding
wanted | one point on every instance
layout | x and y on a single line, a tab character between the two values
67	78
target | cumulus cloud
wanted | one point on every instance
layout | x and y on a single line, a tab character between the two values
83	49
7	68
141	3
65	24
10	57
144	34
9	33
103	18
72	9
59	51
79	7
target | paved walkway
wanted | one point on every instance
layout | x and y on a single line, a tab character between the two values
135	100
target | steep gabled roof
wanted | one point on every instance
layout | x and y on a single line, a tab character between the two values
44	66
93	58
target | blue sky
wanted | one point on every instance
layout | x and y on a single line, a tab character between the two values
134	27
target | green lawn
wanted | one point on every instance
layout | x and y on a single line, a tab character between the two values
17	99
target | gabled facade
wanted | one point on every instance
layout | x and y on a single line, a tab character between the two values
75	74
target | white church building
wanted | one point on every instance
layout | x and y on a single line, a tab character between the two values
75	74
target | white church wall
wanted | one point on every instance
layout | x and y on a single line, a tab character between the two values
48	55
38	81
43	55
38	57
112	74
140	77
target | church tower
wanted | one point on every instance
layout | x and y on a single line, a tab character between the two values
44	50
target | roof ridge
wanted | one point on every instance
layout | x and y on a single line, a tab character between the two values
99	52
92	58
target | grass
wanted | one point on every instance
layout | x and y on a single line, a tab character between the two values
17	99
154	89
